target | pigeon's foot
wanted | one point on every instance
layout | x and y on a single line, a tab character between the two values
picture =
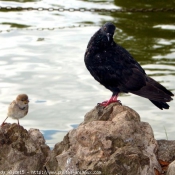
113	99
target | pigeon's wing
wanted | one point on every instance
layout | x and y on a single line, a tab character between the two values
138	82
116	68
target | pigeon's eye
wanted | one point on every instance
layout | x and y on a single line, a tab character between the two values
105	28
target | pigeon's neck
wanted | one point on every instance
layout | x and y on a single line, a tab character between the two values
99	42
97	45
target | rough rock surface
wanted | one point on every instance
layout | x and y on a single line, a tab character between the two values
166	155
166	151
111	140
21	151
171	169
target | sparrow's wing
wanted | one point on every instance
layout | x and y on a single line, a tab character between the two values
11	108
12	104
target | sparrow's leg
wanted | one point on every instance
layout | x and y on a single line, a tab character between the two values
4	121
18	121
113	99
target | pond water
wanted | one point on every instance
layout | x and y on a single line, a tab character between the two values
42	54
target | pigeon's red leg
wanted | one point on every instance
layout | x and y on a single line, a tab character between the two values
113	99
104	102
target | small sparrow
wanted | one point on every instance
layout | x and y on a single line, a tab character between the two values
18	108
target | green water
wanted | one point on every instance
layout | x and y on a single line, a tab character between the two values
42	54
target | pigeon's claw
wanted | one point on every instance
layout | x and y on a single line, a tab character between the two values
113	99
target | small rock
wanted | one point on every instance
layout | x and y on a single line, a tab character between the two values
21	151
171	169
166	151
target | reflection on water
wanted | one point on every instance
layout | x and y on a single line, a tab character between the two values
144	4
15	25
48	65
22	1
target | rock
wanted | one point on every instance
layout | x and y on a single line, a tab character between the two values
166	155
171	169
21	151
166	151
110	141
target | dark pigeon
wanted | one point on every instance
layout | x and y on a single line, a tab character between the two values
114	67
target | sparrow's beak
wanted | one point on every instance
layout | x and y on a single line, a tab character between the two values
26	102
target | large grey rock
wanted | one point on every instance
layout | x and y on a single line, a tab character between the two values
21	151
111	140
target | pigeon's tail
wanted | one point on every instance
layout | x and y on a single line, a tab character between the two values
156	93
159	86
160	105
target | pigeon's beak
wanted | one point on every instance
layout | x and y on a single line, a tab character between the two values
108	36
